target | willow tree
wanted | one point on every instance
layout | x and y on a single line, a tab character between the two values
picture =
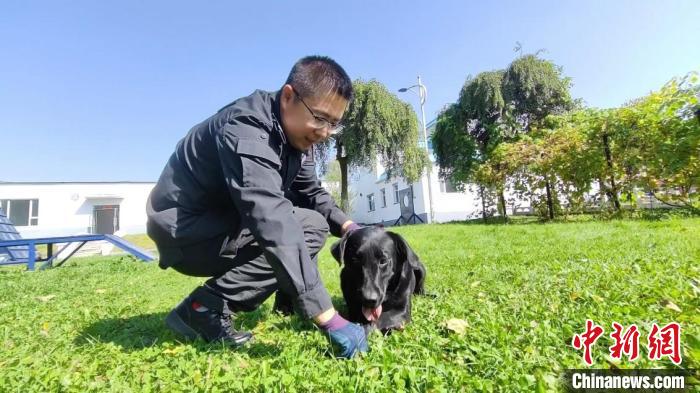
379	125
534	89
457	152
485	110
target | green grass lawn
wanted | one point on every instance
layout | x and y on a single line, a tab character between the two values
141	240
96	324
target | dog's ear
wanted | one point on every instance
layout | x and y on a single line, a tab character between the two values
403	250
338	250
406	255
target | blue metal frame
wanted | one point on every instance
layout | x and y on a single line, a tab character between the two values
50	241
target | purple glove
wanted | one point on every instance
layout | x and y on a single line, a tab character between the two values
348	337
351	228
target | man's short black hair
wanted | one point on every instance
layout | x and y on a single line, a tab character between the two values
314	75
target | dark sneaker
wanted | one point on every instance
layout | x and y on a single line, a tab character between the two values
193	320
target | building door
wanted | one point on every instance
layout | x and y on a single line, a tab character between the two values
105	219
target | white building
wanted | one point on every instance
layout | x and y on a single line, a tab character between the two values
376	197
63	208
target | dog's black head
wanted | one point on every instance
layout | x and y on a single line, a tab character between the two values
376	260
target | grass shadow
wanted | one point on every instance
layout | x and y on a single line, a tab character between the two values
149	330
659	214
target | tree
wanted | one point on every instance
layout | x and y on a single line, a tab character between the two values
661	136
497	107
651	143
467	131
379	124
457	152
333	178
535	88
482	108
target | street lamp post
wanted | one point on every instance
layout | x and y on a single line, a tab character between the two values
422	94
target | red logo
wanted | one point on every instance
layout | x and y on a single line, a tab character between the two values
665	342
588	338
627	343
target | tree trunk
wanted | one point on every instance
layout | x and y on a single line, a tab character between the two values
550	202
502	202
612	192
343	163
630	174
483	203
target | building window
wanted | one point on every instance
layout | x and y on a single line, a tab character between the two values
448	186
383	197
22	212
396	193
370	202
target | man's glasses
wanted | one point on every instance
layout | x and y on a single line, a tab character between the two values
320	123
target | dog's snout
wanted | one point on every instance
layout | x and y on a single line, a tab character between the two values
370	300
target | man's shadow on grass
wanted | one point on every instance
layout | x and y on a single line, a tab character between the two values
149	330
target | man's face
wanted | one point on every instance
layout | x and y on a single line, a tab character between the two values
300	117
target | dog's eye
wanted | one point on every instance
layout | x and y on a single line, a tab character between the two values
383	261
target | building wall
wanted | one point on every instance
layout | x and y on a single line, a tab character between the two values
447	206
67	208
365	182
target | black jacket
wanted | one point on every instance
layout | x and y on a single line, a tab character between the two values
236	170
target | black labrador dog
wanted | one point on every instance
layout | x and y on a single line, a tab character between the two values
380	273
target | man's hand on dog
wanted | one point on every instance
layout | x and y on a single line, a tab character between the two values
349	338
349	227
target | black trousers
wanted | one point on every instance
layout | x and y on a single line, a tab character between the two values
241	277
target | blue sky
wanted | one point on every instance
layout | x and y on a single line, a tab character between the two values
102	91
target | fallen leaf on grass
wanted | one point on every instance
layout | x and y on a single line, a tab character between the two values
455	325
100	291
670	305
45	298
44	329
173	351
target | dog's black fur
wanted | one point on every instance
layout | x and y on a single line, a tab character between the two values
378	268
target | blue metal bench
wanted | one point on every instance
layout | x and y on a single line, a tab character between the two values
16	250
